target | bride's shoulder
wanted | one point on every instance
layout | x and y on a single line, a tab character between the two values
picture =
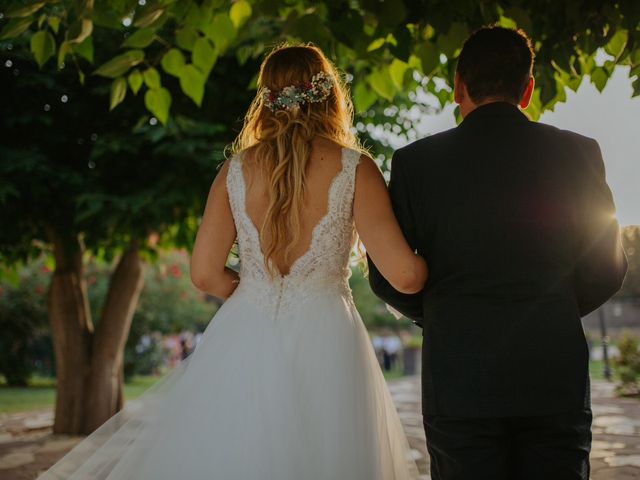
226	170
243	155
367	169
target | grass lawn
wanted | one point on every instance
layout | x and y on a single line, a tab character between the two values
41	391
596	369
392	374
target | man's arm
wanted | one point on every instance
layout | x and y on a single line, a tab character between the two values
601	264
409	305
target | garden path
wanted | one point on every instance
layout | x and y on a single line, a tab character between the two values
28	447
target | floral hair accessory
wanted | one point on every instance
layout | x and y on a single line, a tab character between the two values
293	96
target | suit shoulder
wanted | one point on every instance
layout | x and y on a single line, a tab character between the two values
420	150
582	152
563	135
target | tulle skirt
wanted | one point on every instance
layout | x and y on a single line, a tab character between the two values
298	396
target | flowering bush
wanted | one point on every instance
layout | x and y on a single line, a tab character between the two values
169	303
25	343
628	365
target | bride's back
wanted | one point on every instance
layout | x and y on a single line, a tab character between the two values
323	166
288	194
291	149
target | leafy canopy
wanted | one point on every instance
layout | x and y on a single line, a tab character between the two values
389	49
116	112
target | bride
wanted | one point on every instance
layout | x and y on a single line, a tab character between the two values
284	384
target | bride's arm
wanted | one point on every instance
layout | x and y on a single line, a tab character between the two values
380	233
214	240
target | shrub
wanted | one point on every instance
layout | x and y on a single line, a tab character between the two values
169	303
25	343
628	365
373	310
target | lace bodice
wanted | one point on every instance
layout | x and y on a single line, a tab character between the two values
323	269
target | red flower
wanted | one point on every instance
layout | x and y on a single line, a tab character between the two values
175	271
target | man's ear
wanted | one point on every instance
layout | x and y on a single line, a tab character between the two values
528	92
459	90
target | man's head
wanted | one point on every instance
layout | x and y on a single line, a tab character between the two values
495	65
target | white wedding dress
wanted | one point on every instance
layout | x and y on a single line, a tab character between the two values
284	384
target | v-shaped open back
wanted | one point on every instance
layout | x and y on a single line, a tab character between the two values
330	243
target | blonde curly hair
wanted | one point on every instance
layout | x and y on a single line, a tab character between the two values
280	140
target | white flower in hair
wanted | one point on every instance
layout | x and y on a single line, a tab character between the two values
293	96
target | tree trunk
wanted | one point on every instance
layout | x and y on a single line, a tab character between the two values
71	331
89	364
104	391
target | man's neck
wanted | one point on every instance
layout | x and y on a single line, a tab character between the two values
467	107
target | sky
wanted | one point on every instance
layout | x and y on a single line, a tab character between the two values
611	117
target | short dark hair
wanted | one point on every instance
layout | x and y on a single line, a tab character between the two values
496	62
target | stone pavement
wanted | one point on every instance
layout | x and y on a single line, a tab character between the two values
615	453
27	446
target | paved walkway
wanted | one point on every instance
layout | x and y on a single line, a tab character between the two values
616	429
27	446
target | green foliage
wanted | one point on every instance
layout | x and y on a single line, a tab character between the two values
25	343
367	39
43	46
363	97
118	92
414	342
373	311
381	82
121	64
192	83
151	78
15	27
168	304
173	62
204	57
140	39
135	81
158	101
221	32
628	365
111	177
240	13
18	10
108	177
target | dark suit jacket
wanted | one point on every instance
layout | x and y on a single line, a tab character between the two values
518	227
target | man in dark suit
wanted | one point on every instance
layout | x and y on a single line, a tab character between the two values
518	227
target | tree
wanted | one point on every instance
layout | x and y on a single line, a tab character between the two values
24	345
77	184
383	45
77	181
